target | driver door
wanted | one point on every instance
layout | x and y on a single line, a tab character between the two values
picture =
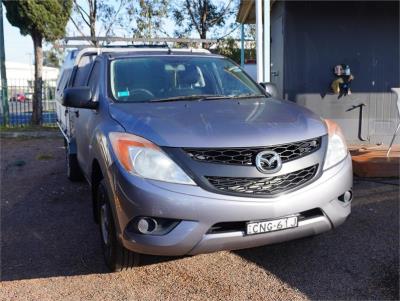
86	120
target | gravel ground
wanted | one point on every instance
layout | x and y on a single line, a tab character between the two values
50	247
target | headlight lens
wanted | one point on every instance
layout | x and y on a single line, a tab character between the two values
143	158
337	148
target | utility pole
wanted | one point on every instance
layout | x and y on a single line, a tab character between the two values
259	41
4	86
242	45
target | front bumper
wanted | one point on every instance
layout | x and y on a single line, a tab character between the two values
198	210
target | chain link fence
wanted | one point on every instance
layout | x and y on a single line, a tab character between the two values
18	105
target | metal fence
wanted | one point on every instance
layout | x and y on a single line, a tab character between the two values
18	106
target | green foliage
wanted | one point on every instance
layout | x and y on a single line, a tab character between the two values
229	48
200	15
41	20
148	16
112	15
45	18
52	58
101	17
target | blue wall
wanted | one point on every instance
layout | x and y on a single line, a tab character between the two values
364	35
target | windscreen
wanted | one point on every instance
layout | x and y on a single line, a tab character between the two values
157	78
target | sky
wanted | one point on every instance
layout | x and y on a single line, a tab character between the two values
18	48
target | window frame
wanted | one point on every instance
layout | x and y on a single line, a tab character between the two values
95	90
75	70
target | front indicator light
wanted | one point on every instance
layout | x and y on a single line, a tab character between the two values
337	148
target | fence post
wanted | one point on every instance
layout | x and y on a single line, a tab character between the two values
4	87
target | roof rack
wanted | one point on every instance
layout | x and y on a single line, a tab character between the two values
130	42
79	52
90	49
135	46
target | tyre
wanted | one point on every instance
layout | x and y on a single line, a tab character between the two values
74	172
116	256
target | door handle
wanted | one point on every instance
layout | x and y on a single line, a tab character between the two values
275	73
76	113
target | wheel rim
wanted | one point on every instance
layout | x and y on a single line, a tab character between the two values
105	224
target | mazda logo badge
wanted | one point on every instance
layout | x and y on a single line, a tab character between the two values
268	162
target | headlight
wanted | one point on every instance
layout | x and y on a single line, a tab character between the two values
337	148
143	158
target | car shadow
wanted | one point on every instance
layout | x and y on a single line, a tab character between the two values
47	228
358	260
54	237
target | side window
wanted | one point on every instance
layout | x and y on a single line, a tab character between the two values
62	84
82	73
66	80
94	79
61	81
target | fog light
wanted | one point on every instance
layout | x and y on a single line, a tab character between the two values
146	225
151	225
346	197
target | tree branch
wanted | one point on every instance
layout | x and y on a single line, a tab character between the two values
189	8
122	3
77	27
216	20
80	8
90	4
227	34
82	12
79	30
94	9
204	12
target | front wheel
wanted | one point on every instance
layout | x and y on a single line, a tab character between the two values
116	256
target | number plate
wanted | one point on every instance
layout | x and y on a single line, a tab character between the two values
271	225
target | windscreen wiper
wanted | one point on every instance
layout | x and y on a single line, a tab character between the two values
187	97
206	97
233	96
249	96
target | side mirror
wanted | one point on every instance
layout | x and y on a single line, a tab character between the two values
79	97
271	89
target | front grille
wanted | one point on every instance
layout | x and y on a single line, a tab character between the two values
264	186
246	156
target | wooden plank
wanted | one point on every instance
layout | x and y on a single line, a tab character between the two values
372	162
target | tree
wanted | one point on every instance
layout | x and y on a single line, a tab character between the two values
229	48
200	15
42	20
148	16
52	57
87	14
